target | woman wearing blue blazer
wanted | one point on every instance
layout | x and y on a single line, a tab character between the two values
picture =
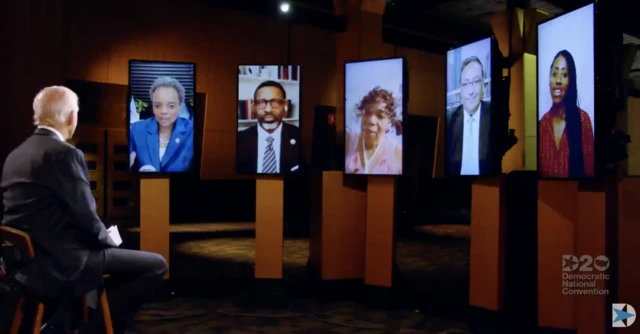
164	142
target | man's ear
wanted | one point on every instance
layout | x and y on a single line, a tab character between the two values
71	119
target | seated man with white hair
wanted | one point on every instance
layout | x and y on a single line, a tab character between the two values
45	185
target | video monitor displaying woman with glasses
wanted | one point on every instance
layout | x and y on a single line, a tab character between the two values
268	140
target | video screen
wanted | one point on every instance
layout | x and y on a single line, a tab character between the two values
469	144
160	114
268	140
566	87
374	107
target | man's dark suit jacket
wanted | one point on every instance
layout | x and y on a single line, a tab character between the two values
247	153
455	139
45	183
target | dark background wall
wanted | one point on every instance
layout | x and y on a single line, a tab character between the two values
59	41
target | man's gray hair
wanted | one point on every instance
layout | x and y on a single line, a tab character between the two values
52	105
168	82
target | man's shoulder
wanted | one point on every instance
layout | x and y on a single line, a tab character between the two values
290	129
64	150
458	112
47	145
485	106
252	130
40	148
455	115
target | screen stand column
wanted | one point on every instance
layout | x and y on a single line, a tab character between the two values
574	229
628	247
269	241
486	267
154	219
557	211
379	237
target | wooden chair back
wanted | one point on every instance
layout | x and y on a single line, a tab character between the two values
17	249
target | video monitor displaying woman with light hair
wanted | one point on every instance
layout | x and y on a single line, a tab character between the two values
566	87
160	116
373	117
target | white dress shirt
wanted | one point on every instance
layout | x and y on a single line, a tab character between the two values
470	144
52	130
367	165
262	145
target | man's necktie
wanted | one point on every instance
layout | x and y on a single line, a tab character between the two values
269	162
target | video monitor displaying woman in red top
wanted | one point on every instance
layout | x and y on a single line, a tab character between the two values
566	87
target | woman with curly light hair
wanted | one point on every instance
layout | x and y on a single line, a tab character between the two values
372	150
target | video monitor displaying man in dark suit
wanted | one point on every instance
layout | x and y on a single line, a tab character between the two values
268	140
469	110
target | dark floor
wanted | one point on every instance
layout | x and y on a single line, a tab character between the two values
304	316
212	270
212	267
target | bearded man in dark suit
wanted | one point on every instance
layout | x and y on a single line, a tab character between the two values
272	146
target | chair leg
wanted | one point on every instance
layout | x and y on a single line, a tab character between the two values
106	313
85	308
17	317
37	322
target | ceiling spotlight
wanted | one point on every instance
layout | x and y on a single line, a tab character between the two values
284	7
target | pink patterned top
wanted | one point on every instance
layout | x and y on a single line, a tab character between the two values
386	159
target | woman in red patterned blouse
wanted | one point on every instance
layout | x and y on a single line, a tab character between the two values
565	138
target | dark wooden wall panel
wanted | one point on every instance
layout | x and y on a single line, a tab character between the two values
318	75
91	141
427	95
123	190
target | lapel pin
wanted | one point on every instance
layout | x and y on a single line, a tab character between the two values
293	141
177	140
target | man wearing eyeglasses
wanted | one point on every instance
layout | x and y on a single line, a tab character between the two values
468	145
272	146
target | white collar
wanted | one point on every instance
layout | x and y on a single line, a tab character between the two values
275	134
468	116
52	130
